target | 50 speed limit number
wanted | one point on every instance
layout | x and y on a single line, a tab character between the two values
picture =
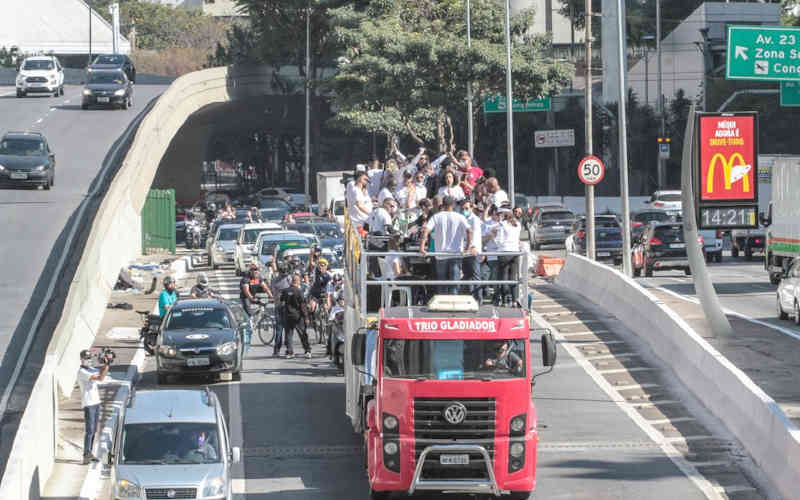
591	170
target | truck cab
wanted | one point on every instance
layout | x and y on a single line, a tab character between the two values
451	408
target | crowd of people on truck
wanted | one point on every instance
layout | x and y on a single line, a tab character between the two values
446	205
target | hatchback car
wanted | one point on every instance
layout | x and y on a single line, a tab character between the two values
641	219
119	62
27	160
107	88
660	247
172	444
608	238
222	247
550	226
200	337
40	75
789	293
669	201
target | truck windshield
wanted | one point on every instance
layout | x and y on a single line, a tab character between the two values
454	359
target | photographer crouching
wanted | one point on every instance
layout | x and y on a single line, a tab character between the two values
88	379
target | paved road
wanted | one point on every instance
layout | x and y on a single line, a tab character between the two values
34	220
289	417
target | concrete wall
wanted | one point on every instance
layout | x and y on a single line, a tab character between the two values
749	413
114	240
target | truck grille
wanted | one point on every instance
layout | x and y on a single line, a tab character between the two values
430	428
158	493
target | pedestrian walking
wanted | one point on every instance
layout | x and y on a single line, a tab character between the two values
88	380
451	232
281	282
295	317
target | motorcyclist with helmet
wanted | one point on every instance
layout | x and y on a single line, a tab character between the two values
320	278
201	290
167	297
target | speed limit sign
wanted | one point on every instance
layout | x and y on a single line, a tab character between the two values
591	170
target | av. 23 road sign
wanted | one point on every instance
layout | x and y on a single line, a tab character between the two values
763	53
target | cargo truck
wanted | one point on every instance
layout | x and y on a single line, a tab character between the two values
330	187
782	220
440	390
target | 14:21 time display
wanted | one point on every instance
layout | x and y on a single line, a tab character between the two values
721	217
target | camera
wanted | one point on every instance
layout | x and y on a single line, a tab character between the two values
106	356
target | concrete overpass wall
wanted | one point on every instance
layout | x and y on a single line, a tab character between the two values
113	241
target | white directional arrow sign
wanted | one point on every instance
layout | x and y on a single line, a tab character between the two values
741	52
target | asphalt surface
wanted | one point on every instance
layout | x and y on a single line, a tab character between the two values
36	222
289	418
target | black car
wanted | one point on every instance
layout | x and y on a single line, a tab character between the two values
107	88
27	160
660	247
119	62
640	220
607	238
202	337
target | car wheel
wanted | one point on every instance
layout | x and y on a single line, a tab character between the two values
687	271
378	495
796	313
20	93
735	252
124	104
163	379
648	271
718	257
46	185
637	271
84	106
781	313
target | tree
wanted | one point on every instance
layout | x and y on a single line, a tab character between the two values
406	65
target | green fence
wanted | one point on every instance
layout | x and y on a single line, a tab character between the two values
158	221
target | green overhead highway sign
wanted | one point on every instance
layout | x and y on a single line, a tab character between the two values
497	104
790	93
763	53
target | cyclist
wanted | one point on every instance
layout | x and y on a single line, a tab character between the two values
320	279
250	285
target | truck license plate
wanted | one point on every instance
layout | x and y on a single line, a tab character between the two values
454	459
198	361
102	99
18	175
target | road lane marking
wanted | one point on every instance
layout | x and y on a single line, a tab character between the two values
630	387
625	370
578	322
612	356
264	485
661	421
686	439
734	488
587	332
658	402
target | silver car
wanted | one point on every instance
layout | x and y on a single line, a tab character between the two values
789	293
172	444
550	226
221	250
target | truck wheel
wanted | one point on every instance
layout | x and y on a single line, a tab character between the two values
378	495
781	313
518	495
735	252
748	253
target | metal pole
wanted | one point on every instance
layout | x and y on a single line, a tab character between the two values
509	107
590	235
308	107
90	31
646	77
469	89
662	181
623	141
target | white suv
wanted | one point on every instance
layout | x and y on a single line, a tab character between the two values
40	74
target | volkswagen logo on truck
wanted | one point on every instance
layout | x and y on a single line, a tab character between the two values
455	413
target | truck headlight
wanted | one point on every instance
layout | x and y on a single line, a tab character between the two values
517	449
390	422
168	351
214	487
127	489
518	424
391	448
87	91
226	348
119	92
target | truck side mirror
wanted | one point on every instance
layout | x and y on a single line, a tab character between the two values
358	347
764	220
548	350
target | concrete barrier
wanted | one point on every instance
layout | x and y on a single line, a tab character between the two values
749	413
113	241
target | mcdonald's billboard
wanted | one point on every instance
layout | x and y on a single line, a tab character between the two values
728	170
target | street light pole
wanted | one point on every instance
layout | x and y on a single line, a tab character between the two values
590	235
661	173
469	89
622	120
307	169
90	31
509	107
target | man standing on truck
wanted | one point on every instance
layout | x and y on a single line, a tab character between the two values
451	232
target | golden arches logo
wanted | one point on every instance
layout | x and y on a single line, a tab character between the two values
727	167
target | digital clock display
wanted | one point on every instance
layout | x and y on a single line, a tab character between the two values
728	217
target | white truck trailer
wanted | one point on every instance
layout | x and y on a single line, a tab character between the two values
330	187
782	219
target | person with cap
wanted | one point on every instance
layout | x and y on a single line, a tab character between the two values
88	380
167	297
249	286
320	279
451	233
282	281
201	290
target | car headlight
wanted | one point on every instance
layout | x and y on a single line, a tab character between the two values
518	424
517	449
390	422
120	92
214	487
87	91
2	168
167	350
220	248
226	348
40	168
127	489
390	448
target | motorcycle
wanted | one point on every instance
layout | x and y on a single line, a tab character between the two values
148	334
194	235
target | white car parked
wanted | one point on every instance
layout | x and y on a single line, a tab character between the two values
668	201
245	250
789	294
40	74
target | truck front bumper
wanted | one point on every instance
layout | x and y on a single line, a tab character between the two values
455	485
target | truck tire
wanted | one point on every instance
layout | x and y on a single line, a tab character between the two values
518	495
378	495
781	313
735	251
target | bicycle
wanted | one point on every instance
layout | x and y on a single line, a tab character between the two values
319	321
263	322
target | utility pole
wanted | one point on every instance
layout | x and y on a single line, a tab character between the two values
662	178
622	120
308	107
90	32
509	108
590	235
469	89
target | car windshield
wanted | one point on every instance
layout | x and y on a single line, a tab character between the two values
170	443
228	234
109	59
606	222
197	318
557	216
269	245
669	197
37	65
301	228
453	359
608	234
22	147
273	203
251	235
669	234
648	217
106	78
328	231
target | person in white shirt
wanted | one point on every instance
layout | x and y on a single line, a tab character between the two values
451	233
381	217
451	187
492	239
507	265
375	174
395	265
358	200
496	195
409	196
388	191
88	380
471	266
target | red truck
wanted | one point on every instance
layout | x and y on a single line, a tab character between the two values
446	398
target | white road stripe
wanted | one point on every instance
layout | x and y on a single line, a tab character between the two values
579	322
661	421
612	356
624	370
